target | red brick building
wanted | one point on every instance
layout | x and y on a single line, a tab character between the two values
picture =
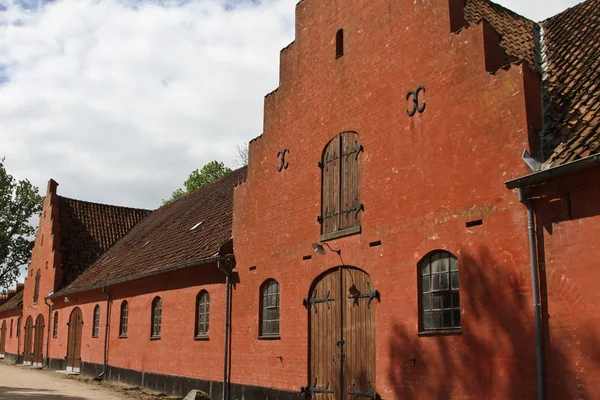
387	239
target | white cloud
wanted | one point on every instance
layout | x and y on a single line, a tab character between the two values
119	100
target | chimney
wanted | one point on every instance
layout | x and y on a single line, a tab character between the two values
52	185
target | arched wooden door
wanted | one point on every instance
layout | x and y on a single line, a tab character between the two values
74	340
27	343
38	341
342	305
3	338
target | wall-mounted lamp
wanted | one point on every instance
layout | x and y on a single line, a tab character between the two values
319	248
66	299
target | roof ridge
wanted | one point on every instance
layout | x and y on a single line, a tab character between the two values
104	204
500	6
566	10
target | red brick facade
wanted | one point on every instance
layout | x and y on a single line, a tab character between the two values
431	181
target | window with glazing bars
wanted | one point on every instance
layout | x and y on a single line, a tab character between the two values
123	319
96	322
156	317
439	296
55	325
269	318
36	291
202	313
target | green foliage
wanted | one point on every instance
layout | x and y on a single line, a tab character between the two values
19	201
210	172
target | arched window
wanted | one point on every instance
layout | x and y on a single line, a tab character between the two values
19	327
340	196
156	317
96	322
269	306
36	291
55	325
123	319
439	297
339	43
202	313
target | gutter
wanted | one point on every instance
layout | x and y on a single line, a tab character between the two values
227	272
47	360
188	264
105	367
19	318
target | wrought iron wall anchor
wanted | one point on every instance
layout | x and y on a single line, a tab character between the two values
356	294
415	101
357	151
308	391
371	394
357	208
284	163
313	301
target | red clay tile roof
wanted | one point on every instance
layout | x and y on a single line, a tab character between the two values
572	41
164	239
13	302
517	32
88	229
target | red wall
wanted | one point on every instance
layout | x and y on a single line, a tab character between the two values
422	179
11	340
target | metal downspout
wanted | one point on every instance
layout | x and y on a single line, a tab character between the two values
227	273
46	360
19	335
536	295
105	366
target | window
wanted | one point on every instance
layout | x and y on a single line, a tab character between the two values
19	327
269	317
11	327
123	320
202	313
55	325
156	317
339	43
96	322
439	298
36	291
340	199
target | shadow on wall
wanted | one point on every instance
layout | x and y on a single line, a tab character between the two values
494	357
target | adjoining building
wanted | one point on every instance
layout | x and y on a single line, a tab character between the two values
388	239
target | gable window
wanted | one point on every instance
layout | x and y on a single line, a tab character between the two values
36	291
202	313
340	195
156	317
339	43
55	325
439	297
123	319
269	306
96	322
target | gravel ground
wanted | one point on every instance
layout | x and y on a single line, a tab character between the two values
19	382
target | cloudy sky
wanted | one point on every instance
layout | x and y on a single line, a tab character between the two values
119	100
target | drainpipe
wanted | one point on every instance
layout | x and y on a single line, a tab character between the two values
227	273
536	294
105	367
19	334
47	359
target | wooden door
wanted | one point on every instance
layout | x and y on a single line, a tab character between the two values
3	337
38	341
27	343
74	340
342	307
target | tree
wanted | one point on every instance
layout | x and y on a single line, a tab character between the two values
210	172
241	155
19	201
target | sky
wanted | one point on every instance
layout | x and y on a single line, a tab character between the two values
119	100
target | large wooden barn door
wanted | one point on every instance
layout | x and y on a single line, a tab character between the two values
27	345
3	338
38	346
74	340
342	307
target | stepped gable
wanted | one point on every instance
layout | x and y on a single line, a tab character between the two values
89	229
572	40
165	239
13	302
516	32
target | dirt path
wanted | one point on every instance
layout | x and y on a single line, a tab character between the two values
26	383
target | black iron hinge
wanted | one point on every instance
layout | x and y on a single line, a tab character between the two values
309	390
370	394
356	294
313	301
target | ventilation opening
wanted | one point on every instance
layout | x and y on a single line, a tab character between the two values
339	43
307	258
252	268
471	224
375	244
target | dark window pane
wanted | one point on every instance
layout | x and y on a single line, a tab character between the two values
425	284
444	282
436	318
425	269
456	315
446	300
447	317
427	321
426	302
435	280
435	264
454	279
455	299
443	265
453	264
436	301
